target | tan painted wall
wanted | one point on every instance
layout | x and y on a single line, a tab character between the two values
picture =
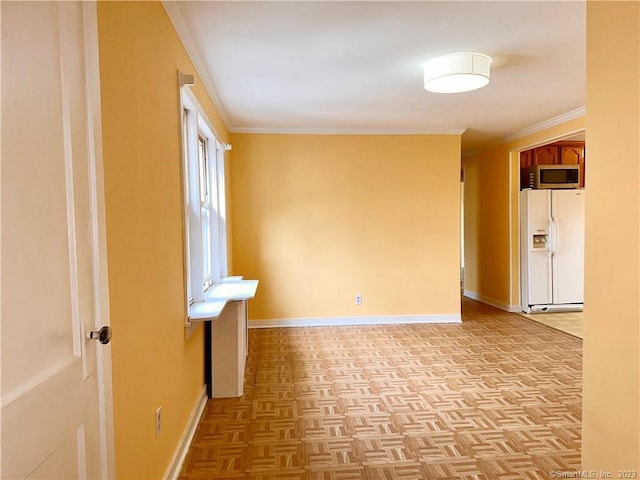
153	364
320	218
491	215
611	419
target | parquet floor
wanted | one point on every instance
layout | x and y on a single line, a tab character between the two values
496	397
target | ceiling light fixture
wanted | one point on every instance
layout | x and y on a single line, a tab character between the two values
457	72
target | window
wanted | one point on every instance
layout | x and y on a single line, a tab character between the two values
204	200
205	211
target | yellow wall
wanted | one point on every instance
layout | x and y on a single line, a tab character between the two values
321	218
611	422
491	216
153	364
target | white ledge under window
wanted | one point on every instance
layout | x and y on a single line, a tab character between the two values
230	289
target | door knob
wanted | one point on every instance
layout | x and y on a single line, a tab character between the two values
103	335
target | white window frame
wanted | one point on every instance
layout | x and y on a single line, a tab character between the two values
204	198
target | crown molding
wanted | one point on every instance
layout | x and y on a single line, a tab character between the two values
538	127
552	122
347	131
180	25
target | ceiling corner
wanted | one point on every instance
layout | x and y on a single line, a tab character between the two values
177	19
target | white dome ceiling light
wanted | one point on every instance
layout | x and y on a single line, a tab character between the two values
457	72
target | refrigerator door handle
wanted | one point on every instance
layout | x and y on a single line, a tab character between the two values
552	237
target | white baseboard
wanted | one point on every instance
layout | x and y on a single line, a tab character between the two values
493	302
343	321
180	454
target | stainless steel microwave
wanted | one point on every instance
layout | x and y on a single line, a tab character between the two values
550	176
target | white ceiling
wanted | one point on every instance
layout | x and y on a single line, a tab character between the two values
355	67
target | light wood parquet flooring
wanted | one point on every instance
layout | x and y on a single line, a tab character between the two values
496	397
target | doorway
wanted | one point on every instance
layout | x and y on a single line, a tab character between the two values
566	150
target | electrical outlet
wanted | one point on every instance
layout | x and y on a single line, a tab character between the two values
358	299
158	421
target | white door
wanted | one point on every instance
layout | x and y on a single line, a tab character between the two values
568	258
56	413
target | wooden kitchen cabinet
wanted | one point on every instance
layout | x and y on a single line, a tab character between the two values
546	155
572	153
526	158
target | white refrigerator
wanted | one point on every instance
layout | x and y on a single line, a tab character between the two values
552	250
